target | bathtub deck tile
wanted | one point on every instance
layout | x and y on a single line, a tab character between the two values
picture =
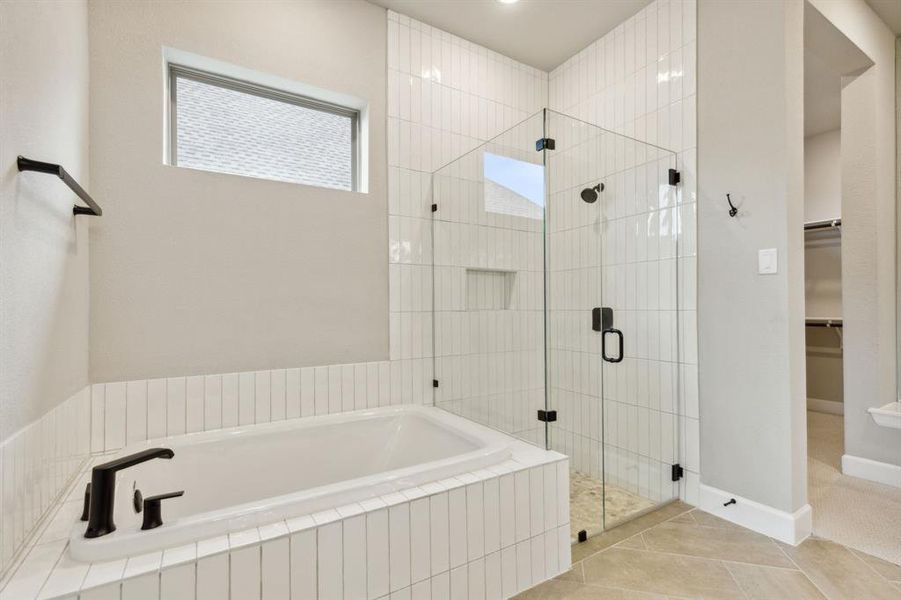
326	516
211	546
66	578
394	499
451	483
300	523
144	563
466	478
101	573
179	555
432	488
350	510
503	468
483	474
33	572
272	531
243	538
414	493
372	504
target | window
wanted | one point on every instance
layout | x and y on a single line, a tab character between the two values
513	187
231	126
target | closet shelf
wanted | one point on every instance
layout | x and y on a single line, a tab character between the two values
825	225
823	322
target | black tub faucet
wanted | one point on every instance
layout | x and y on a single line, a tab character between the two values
103	489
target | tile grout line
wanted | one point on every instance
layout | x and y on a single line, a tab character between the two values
855	554
812	582
732	577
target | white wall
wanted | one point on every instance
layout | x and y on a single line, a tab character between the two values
196	272
750	327
823	176
43	247
639	81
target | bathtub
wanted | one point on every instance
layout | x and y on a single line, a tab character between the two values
239	478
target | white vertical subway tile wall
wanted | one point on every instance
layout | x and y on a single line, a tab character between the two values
446	96
639	81
36	466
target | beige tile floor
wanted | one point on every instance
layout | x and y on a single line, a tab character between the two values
680	552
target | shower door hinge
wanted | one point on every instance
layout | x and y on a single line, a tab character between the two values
601	318
547	416
674	177
434	383
434	208
678	472
545	144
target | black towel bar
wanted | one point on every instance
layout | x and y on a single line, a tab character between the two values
93	209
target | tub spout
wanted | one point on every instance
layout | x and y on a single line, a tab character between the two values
103	489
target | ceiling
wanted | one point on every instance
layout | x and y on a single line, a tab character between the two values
889	11
540	33
828	57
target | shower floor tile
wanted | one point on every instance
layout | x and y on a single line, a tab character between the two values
586	506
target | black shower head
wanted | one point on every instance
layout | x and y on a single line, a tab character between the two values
590	194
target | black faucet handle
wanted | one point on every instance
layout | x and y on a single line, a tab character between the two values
85	511
153	512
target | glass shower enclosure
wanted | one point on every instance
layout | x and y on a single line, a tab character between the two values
555	295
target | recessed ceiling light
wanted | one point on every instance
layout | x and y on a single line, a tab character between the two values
508	1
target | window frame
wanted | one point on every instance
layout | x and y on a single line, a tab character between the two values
176	71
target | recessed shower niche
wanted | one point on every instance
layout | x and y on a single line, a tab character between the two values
487	289
520	259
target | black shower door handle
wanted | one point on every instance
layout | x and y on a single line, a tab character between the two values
619	334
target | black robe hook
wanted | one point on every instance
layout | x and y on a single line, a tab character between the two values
732	210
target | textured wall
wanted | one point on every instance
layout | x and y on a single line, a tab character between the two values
43	262
43	247
196	272
750	330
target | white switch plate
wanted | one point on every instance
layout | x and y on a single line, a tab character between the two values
767	261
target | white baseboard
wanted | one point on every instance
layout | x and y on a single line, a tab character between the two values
831	407
873	470
791	528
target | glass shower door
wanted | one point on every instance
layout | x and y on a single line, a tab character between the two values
612	313
488	269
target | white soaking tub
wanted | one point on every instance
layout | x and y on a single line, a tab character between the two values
243	477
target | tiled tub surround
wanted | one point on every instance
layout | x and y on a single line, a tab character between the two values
639	80
283	470
36	466
133	411
484	534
